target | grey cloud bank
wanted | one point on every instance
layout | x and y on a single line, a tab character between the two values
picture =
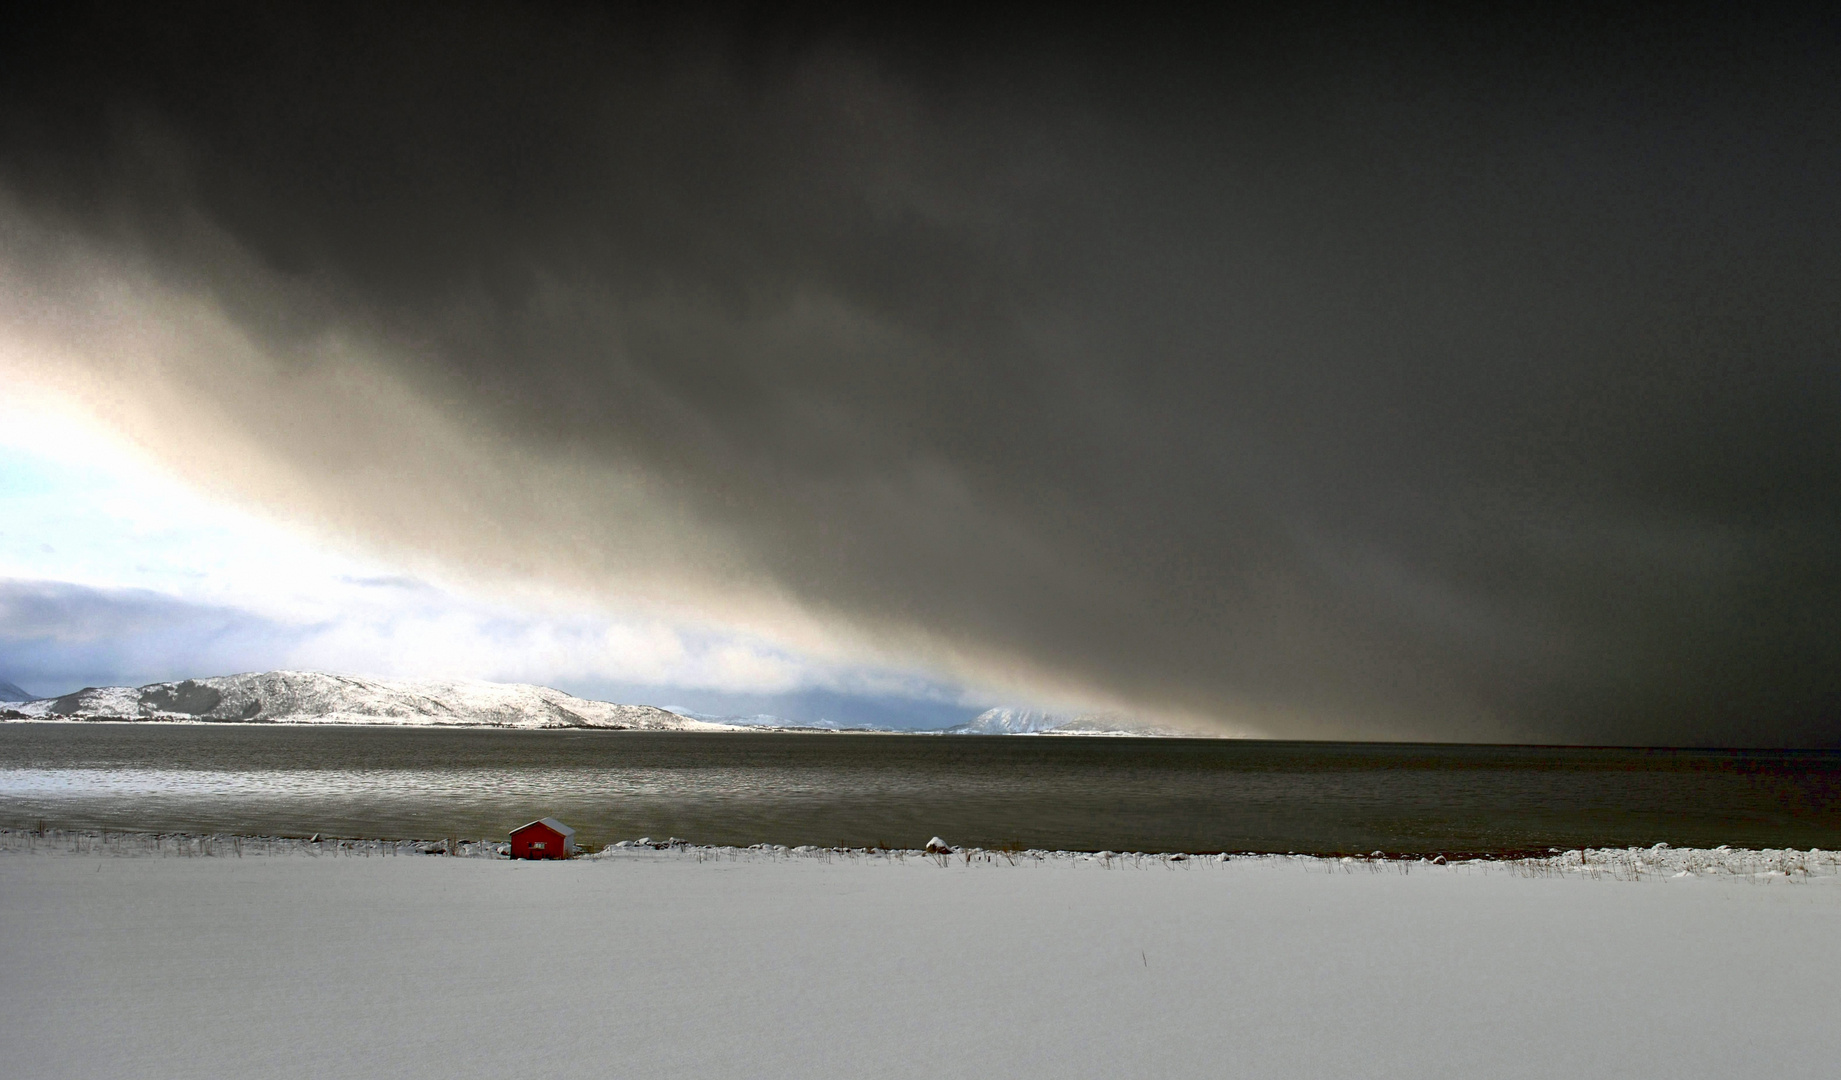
1384	379
56	637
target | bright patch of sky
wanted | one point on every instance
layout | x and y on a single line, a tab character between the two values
112	572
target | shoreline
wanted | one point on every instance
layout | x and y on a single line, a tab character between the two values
1620	863
713	728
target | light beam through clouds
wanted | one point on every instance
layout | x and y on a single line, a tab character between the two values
113	573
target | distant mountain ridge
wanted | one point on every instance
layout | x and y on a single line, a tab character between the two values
12	692
309	697
1009	721
306	697
1017	721
770	722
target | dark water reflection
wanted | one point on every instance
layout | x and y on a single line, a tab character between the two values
856	790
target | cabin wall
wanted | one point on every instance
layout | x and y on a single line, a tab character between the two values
555	845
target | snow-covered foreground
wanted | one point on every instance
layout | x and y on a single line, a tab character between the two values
704	963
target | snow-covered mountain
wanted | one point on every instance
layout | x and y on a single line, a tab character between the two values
1010	721
1015	721
306	697
11	692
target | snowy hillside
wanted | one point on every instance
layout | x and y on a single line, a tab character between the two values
1008	721
303	697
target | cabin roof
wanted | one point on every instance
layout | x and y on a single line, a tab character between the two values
548	823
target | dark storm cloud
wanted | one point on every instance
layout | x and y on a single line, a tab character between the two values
1457	380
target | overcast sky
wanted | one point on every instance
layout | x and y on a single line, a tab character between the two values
1394	378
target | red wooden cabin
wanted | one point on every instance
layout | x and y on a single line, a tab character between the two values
545	838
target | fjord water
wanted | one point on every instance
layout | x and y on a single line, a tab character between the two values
897	791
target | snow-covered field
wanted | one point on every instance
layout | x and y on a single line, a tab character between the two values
260	961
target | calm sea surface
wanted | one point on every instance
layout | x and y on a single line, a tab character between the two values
861	790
